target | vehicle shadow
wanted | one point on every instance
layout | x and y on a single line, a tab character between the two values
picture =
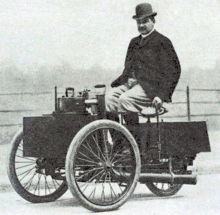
147	197
72	202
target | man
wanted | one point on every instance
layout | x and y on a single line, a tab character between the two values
152	70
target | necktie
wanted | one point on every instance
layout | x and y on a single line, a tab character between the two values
141	40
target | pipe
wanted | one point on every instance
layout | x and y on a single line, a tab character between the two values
168	178
160	177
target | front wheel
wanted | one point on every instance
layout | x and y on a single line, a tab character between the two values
30	183
103	165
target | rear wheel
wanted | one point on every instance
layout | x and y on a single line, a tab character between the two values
163	189
103	165
28	180
166	189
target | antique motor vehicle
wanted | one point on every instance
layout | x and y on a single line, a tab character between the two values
99	160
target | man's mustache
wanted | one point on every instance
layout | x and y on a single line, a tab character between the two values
142	28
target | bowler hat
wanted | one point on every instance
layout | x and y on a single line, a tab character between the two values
144	10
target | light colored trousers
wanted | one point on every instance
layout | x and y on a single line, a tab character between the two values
123	99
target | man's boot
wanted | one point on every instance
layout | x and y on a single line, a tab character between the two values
131	118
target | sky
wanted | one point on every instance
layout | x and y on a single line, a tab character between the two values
88	33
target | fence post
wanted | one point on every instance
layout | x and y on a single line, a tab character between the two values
56	104
188	103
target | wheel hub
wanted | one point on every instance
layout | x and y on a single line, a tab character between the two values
108	166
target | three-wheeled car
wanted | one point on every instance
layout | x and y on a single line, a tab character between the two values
99	160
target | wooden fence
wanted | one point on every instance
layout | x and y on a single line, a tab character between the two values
187	101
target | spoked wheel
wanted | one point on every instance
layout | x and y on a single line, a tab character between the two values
103	165
166	189
26	178
163	189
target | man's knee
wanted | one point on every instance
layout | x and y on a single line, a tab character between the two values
124	98
112	94
112	97
108	97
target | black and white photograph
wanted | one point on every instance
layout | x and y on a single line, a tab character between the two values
110	107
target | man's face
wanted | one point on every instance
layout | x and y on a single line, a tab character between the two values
145	25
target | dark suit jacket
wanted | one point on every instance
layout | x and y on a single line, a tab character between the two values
155	65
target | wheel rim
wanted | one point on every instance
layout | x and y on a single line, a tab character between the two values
104	166
28	180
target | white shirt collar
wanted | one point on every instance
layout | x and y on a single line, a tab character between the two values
146	35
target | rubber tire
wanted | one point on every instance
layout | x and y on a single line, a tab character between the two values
72	152
16	183
158	192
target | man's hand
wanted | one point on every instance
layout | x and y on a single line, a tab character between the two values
157	102
131	82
